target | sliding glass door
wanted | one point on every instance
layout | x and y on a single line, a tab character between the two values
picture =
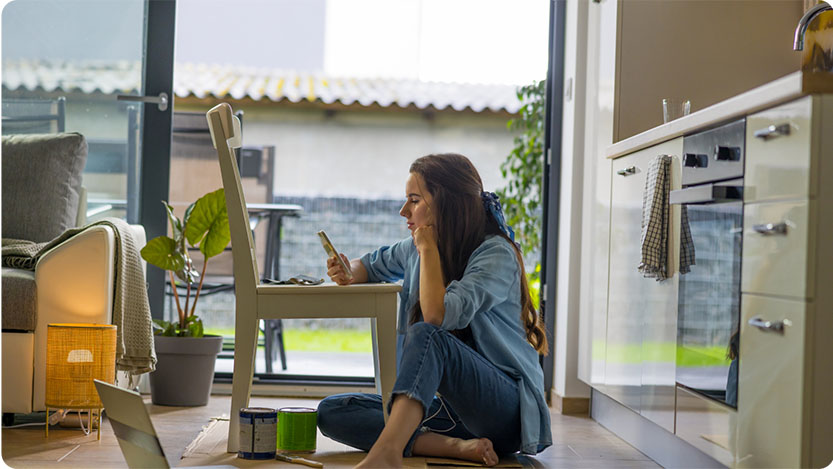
65	65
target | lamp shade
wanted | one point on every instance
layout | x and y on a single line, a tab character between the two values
76	354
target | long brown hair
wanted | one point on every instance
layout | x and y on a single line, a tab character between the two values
461	223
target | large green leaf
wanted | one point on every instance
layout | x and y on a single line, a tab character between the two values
162	252
176	225
208	224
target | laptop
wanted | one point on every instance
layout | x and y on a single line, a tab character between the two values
131	423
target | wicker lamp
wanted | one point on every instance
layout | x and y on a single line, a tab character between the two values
76	354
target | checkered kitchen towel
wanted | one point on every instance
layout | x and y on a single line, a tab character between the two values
686	243
656	215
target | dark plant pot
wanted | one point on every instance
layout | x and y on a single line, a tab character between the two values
184	369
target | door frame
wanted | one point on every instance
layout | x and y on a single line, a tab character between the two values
155	164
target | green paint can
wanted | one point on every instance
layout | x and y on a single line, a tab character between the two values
297	429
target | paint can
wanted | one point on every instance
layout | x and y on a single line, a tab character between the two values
297	429
258	427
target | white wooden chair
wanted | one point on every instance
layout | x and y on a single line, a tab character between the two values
255	302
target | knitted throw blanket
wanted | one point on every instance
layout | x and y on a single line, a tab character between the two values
135	353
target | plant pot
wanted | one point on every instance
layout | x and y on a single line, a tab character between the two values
184	369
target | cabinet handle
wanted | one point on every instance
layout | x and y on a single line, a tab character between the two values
627	171
768	229
770	326
773	131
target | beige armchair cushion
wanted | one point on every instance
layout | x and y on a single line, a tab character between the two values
41	178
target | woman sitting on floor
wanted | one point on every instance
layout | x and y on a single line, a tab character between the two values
469	384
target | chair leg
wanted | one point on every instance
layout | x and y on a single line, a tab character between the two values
384	349
268	344
245	345
280	344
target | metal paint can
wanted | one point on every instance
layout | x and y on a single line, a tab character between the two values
258	427
297	429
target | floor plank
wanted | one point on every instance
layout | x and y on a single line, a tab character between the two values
579	442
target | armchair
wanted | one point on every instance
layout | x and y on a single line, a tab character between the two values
73	282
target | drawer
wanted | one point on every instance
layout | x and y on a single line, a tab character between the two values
775	262
778	163
707	425
771	383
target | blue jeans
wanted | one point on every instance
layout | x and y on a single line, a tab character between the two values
477	400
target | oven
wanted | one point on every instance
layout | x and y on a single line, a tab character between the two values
708	315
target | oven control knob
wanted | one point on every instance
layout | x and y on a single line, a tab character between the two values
693	160
722	153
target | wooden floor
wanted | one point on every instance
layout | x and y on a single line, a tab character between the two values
579	442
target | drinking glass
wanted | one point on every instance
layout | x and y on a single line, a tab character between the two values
673	108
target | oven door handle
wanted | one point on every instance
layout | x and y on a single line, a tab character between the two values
706	194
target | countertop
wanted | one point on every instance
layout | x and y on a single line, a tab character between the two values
779	91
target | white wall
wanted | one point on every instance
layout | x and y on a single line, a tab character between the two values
566	382
366	154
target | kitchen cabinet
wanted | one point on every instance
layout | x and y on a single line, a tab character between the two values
771	393
785	414
779	141
704	52
705	424
775	249
641	312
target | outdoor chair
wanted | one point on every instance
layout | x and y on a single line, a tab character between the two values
255	301
34	116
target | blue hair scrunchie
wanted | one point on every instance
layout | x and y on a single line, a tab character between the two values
491	202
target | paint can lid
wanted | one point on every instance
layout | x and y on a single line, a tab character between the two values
261	411
297	410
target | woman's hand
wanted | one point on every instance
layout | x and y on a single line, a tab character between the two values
425	238
336	272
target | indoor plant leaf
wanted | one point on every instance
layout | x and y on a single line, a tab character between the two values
176	224
208	224
162	252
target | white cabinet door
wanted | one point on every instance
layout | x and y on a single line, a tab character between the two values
641	325
771	384
775	247
778	144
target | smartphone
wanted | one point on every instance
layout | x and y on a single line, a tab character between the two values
331	252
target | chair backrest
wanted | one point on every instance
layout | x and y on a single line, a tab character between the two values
225	135
34	116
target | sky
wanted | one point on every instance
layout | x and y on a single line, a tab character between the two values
491	41
475	41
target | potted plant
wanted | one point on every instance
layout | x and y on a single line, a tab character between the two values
185	356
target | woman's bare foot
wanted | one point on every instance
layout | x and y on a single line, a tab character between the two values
380	458
477	449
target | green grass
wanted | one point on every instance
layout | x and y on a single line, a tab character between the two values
661	352
342	340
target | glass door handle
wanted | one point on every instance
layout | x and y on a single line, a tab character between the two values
161	101
769	326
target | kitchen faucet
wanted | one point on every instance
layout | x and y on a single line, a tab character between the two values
798	43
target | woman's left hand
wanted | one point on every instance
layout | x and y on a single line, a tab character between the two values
425	237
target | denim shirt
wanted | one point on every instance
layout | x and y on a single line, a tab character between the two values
487	299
